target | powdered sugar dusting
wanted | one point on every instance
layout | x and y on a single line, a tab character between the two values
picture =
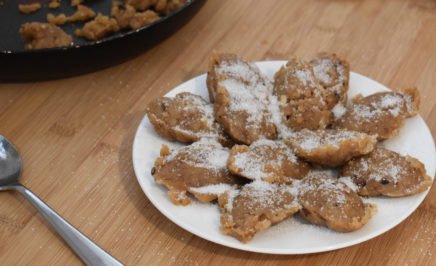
215	189
253	162
266	195
380	165
409	103
206	153
231	195
305	76
321	70
339	110
247	88
390	102
194	103
278	118
309	140
329	187
349	182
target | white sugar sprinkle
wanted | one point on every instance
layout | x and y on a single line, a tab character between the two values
321	70
205	153
248	92
349	182
339	110
216	189
252	163
305	76
310	140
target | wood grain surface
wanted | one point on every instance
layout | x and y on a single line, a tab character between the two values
75	135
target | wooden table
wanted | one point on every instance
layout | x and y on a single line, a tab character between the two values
75	135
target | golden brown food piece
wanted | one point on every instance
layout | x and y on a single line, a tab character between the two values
140	19
57	20
186	118
83	13
123	14
54	4
327	201
76	2
302	98
330	147
200	168
98	28
412	98
255	207
381	113
267	160
333	73
127	17
168	6
29	8
387	173
241	97
44	35
141	4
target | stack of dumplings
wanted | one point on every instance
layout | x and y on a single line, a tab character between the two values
263	149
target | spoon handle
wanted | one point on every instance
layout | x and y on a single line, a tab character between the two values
88	251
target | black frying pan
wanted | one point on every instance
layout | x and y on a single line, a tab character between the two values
18	64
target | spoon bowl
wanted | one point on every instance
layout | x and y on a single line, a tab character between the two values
10	164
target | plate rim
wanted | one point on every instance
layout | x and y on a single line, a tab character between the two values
275	251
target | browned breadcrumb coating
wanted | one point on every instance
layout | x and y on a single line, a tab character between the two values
54	4
57	20
44	35
268	160
381	113
194	169
333	73
387	173
168	6
98	28
83	13
186	118
123	14
241	95
76	2
327	201
29	8
140	19
141	4
255	207
302	98
330	147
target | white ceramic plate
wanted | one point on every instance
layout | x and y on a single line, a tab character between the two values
293	236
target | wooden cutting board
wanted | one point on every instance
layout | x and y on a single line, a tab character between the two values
75	134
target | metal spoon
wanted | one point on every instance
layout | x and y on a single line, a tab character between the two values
10	171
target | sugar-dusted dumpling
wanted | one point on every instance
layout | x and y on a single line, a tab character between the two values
267	160
327	201
380	114
241	96
256	207
387	173
186	118
194	168
333	73
330	147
